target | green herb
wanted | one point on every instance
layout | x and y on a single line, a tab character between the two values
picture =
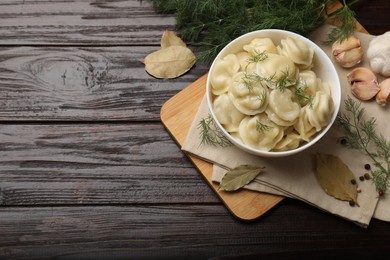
262	96
210	134
260	127
211	24
300	93
258	57
346	18
284	81
361	135
239	177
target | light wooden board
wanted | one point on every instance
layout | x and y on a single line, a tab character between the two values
177	115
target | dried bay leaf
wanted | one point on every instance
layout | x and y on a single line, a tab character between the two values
239	177
170	62
335	177
169	38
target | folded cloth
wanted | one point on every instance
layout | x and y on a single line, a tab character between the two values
293	176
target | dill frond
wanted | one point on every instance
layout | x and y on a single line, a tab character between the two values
361	134
260	127
258	57
210	134
346	18
300	93
283	82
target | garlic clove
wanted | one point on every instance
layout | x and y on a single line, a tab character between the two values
384	92
361	74
364	84
351	42
364	90
350	58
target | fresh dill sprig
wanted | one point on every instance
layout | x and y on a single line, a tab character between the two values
300	93
210	133
361	135
260	56
212	24
262	96
284	81
260	127
346	18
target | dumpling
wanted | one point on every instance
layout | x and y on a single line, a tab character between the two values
309	80
227	114
303	126
290	140
222	73
308	85
279	71
282	109
325	87
320	112
259	132
297	51
248	96
245	64
260	45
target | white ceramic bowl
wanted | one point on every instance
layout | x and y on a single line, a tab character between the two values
323	67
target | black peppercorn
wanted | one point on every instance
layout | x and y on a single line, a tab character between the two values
361	178
343	141
353	181
351	203
367	176
367	166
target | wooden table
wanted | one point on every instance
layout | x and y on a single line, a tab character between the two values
87	170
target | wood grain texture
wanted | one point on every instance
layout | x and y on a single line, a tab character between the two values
176	232
80	161
81	22
89	84
95	164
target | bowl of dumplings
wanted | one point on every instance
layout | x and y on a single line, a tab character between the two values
273	93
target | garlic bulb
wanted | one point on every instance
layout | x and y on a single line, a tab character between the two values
378	54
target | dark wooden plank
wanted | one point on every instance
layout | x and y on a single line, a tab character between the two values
373	15
174	231
95	164
95	84
81	22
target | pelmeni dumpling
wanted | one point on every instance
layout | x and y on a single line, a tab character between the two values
324	86
290	140
277	68
248	97
320	112
297	51
226	113
303	126
245	64
224	70
282	109
260	45
260	132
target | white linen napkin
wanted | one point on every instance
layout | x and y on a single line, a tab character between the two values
293	176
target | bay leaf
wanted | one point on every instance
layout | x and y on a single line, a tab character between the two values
238	177
169	38
335	177
170	62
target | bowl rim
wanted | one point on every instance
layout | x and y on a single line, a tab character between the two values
317	51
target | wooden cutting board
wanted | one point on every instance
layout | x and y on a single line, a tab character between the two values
177	115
